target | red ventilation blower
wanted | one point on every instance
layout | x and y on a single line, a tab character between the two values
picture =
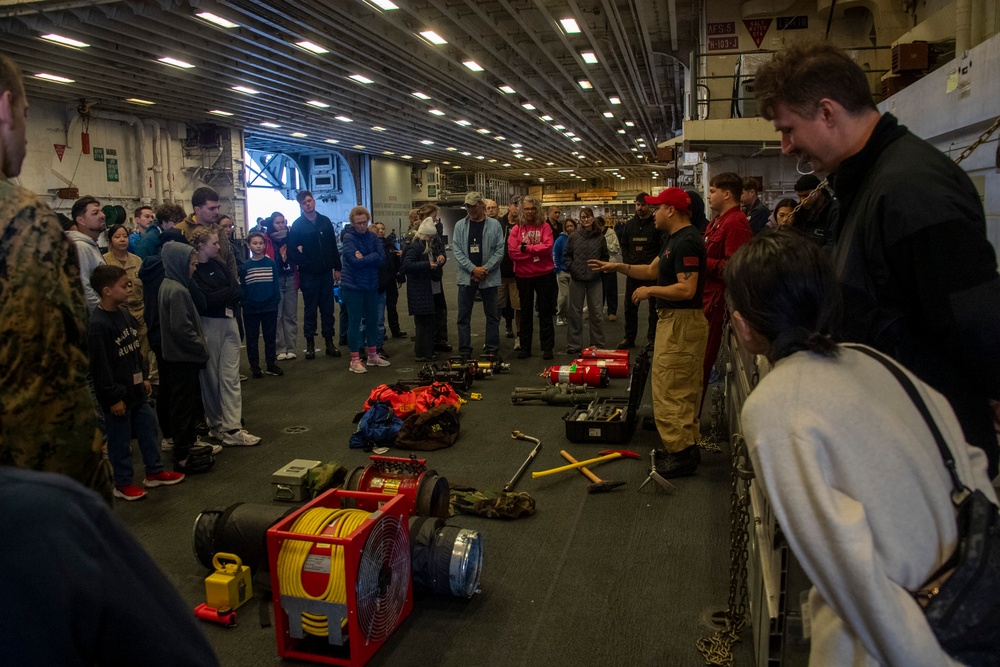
426	491
617	368
592	376
593	352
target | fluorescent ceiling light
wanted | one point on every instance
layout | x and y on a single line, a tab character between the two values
220	112
529	106
550	164
570	26
527	174
608	114
546	118
344	119
378	128
420	96
65	41
541	180
332	141
473	65
565	171
358	146
246	89
516	145
426	142
499	138
614	100
436	112
506	164
425	160
629	123
318	104
463	123
384	5
406	157
175	63
360	78
576	139
582	157
445	162
451	149
217	20
559	127
575	153
299	135
136	100
586	85
466	153
491	160
634	149
273	126
569	134
433	37
480	157
612	169
506	90
621	131
311	47
528	159
483	130
589	57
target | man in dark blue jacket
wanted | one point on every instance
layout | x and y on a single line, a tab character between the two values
312	244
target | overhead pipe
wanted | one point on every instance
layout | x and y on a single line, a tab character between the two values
963	26
157	160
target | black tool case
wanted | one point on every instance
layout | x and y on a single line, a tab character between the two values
580	428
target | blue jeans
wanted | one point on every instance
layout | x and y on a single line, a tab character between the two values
362	306
381	319
138	422
466	300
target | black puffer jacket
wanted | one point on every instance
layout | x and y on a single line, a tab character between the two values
581	247
419	275
388	271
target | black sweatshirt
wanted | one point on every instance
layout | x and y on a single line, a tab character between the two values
318	241
115	359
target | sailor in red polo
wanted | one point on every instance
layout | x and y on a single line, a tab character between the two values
681	330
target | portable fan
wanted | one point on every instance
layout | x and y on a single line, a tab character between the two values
383	578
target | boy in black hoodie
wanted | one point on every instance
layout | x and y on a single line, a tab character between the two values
121	385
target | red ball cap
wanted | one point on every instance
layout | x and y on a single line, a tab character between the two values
672	197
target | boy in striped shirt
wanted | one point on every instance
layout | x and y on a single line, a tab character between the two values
261	293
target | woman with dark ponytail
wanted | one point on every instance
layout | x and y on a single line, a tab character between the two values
852	471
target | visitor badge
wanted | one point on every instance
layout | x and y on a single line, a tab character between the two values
229	312
137	377
474	248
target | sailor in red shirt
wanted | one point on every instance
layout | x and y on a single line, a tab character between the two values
723	237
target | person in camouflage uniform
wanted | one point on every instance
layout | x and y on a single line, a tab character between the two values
47	416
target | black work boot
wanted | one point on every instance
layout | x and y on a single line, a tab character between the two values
678	464
331	349
310	348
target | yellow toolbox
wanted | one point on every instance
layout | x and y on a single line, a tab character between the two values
229	585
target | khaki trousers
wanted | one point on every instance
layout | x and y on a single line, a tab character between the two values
678	355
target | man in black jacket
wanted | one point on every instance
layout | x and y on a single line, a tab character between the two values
757	214
641	242
917	273
312	244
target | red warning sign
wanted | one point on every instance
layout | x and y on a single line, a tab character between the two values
60	150
757	29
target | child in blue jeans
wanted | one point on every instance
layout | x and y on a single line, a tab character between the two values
122	386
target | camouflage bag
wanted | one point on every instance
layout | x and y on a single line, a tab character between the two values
496	505
323	477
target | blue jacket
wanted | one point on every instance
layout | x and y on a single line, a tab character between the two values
493	248
361	274
558	249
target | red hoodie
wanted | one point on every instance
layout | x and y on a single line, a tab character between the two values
537	260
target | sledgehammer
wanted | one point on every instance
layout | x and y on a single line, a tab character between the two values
599	485
607	455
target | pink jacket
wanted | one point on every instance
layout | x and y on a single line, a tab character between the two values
537	260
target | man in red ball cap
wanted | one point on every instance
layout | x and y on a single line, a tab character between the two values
681	329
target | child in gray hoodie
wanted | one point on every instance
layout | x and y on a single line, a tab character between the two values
184	355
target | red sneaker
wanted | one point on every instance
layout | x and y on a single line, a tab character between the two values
130	492
163	478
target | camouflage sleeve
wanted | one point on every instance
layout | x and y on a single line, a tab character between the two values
47	415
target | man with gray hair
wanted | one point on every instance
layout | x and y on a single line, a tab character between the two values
478	246
47	416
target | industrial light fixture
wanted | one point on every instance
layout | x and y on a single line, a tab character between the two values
527	174
273	126
499	138
220	112
344	119
480	157
589	57
426	142
433	37
586	85
378	128
299	135
312	47
65	41
541	180
463	123
357	146
174	62
614	100
318	104
483	130
136	100
436	112
425	160
466	153
360	78
406	157
570	26
451	149
546	118
445	162
528	159
332	141
384	5
550	164
420	96
559	127
629	123
217	20
565	171
246	89
621	131
507	90
473	65
608	114
529	106
576	139
506	164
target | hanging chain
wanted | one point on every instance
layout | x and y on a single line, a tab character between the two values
822	184
975	144
717	649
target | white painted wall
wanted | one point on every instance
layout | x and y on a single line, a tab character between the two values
391	201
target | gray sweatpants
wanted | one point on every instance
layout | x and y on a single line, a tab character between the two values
288	314
220	379
593	292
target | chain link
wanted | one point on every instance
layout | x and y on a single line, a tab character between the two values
717	649
975	144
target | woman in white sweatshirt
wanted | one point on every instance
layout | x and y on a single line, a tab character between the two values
850	467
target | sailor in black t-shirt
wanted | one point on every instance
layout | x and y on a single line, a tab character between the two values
641	241
681	330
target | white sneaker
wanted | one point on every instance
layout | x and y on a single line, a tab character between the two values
282	357
378	360
167	445
560	321
290	356
517	343
214	434
241	438
358	367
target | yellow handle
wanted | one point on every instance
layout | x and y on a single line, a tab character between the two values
222	555
574	466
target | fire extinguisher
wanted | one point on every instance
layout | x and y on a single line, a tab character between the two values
592	376
617	368
593	352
